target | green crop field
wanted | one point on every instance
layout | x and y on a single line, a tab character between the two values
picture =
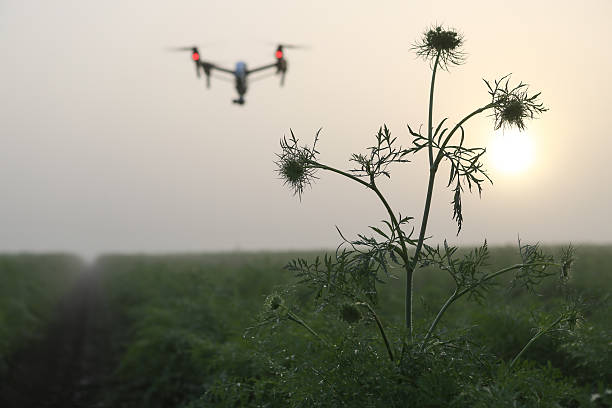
197	331
187	333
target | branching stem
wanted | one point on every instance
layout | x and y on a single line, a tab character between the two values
295	318
430	185
380	327
539	334
459	293
409	267
372	186
440	154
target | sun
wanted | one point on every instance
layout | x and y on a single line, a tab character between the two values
511	151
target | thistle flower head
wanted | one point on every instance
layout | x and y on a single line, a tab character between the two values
513	111
512	105
349	313
293	169
441	43
296	164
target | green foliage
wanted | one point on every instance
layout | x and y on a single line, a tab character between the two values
450	374
183	342
381	155
526	386
181	324
467	271
588	354
536	266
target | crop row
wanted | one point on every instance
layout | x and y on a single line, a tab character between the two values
31	286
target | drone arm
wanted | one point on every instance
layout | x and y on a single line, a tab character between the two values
221	69
275	65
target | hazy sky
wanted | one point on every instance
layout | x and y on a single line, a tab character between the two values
110	143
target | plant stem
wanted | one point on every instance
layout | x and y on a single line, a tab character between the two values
431	98
539	334
457	294
432	175
380	328
396	225
411	267
295	318
448	302
372	186
440	155
342	173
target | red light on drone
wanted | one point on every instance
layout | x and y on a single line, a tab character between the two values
195	56
279	54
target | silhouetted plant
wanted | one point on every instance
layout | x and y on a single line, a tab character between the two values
348	279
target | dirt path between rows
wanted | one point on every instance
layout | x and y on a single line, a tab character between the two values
69	366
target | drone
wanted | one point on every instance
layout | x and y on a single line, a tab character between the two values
241	72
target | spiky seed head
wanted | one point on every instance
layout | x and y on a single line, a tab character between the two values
293	171
442	40
442	43
296	171
296	164
273	302
350	313
512	105
513	112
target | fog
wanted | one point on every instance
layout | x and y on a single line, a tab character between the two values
110	143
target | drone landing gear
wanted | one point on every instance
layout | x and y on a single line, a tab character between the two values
239	101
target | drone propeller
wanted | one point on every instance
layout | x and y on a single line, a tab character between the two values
294	46
195	53
193	47
195	56
290	46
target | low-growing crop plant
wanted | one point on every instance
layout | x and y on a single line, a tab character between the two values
346	282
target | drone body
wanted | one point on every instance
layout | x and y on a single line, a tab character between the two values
241	72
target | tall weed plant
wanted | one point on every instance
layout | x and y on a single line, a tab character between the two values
352	356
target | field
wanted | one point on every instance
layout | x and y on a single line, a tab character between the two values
193	331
